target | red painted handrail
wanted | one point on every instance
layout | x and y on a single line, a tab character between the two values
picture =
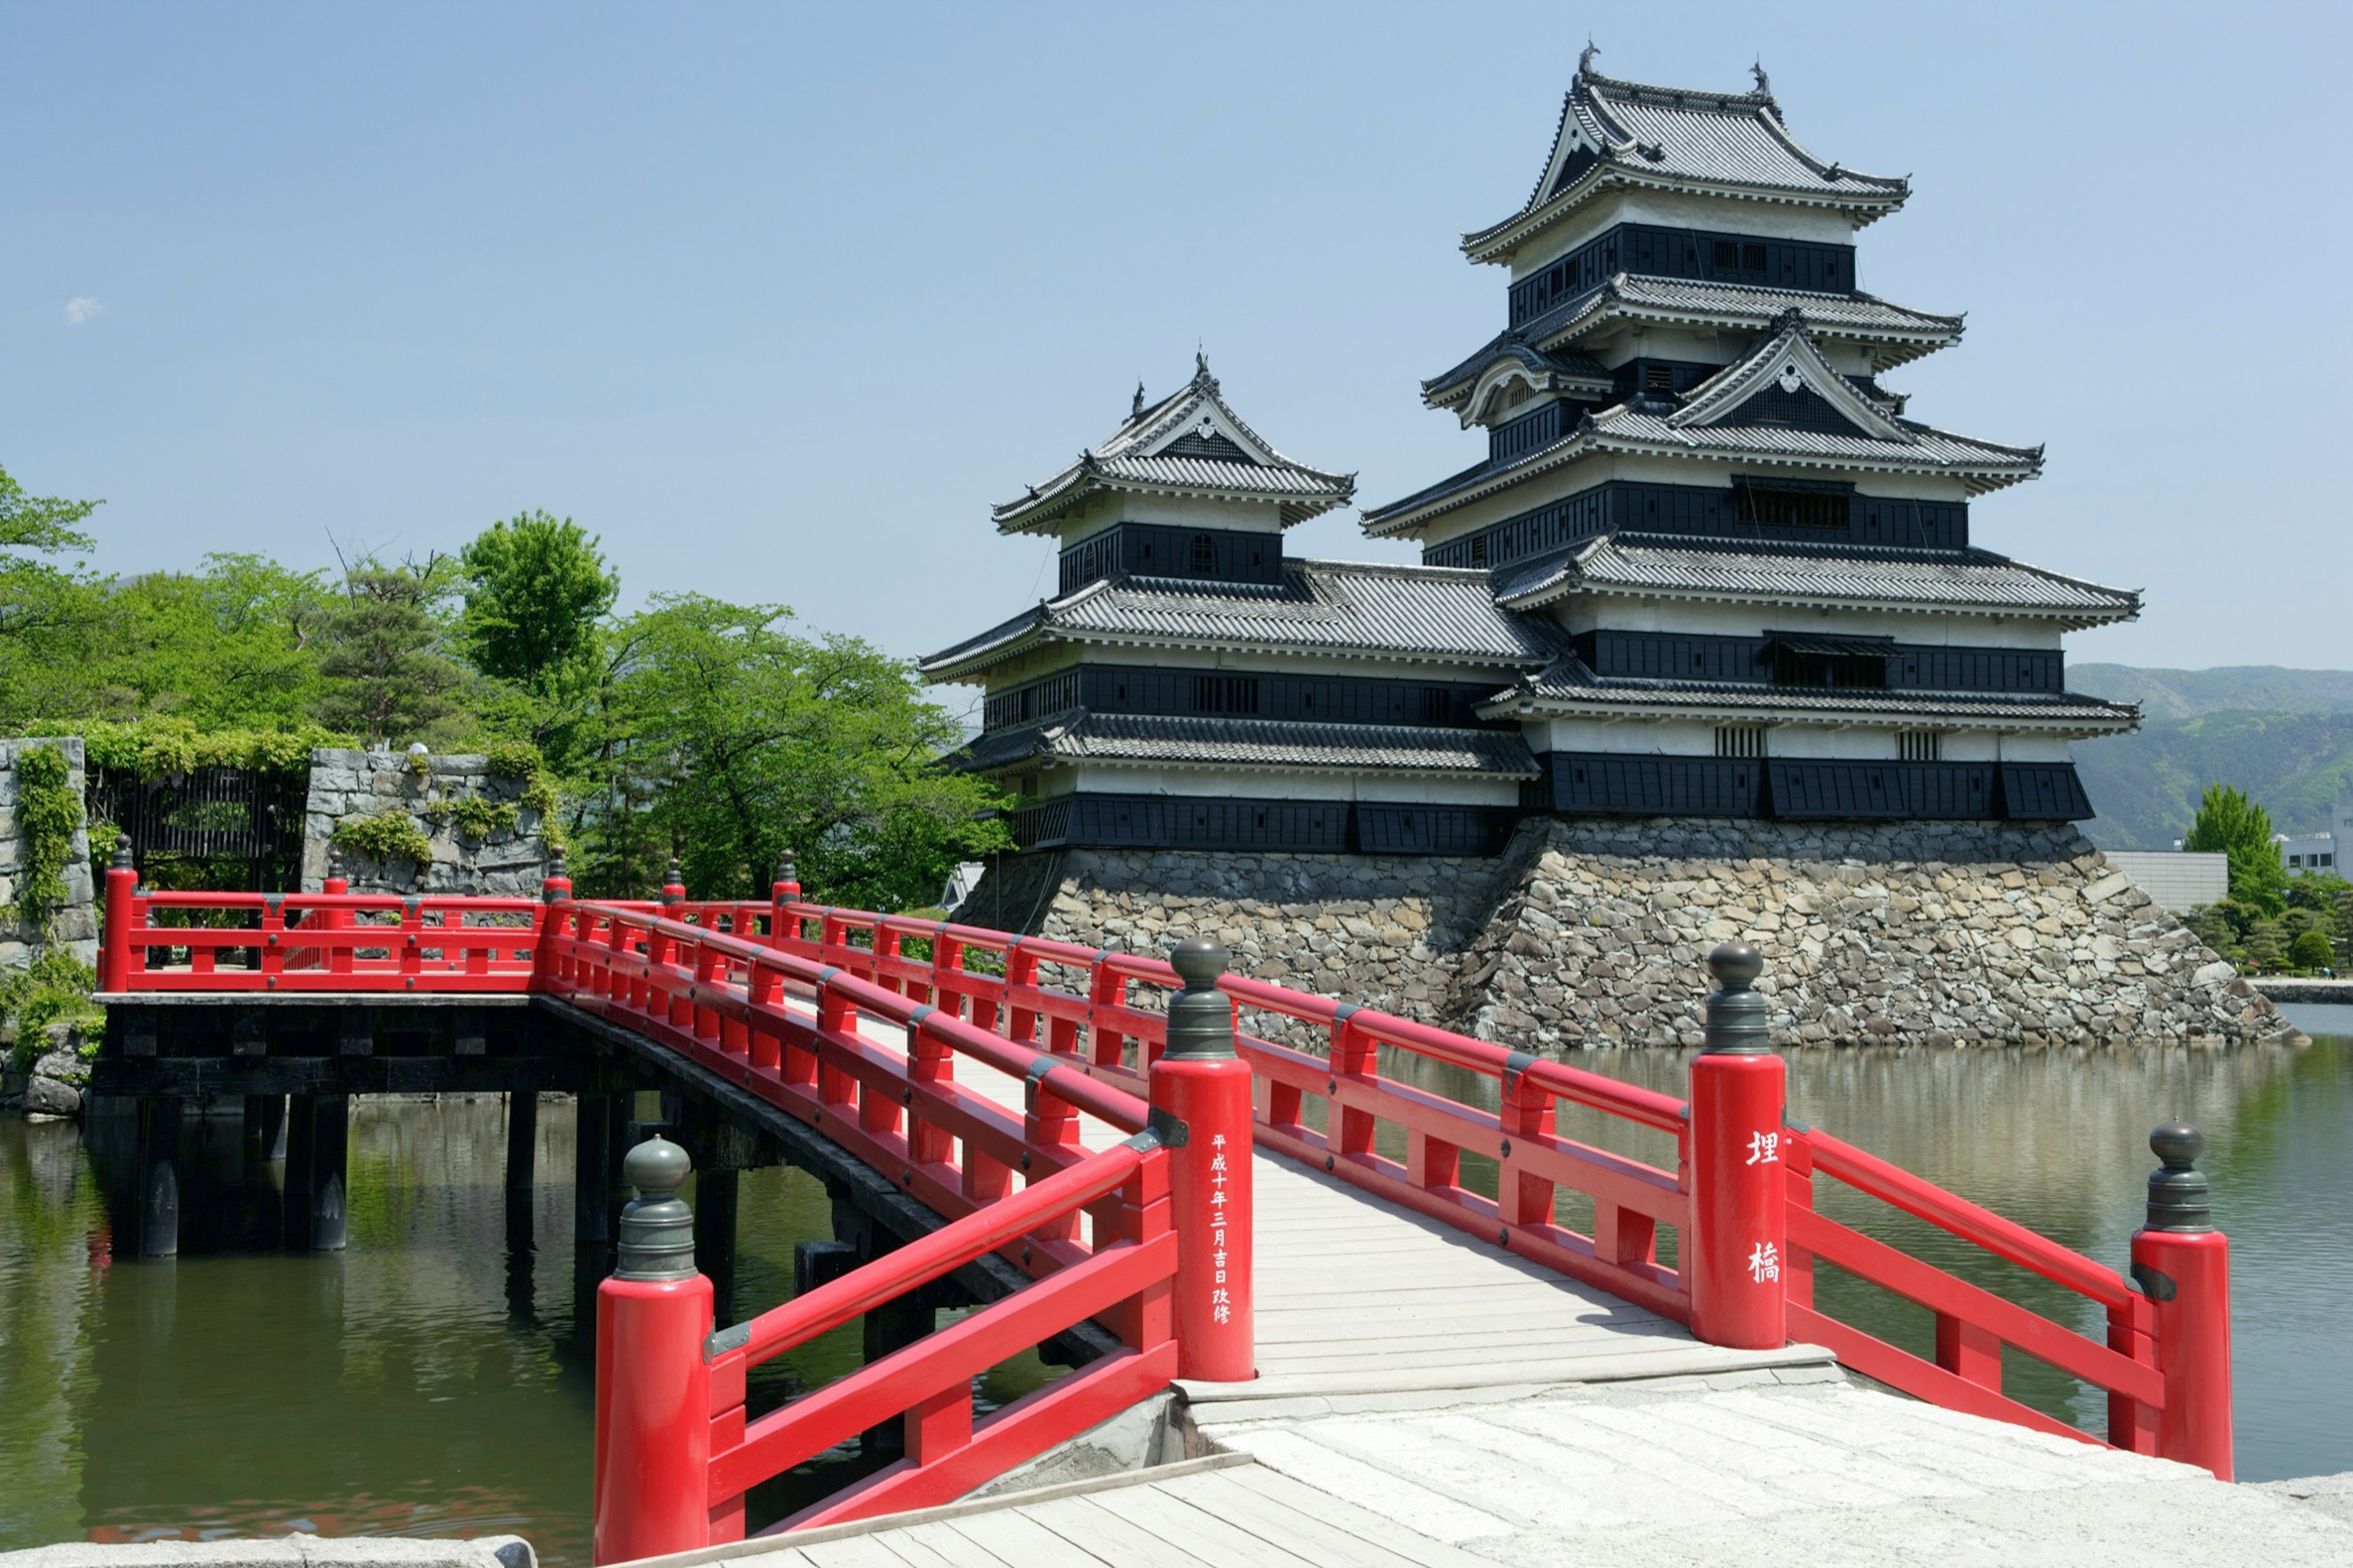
930	1382
709	981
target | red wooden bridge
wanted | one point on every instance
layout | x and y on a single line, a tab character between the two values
1082	1115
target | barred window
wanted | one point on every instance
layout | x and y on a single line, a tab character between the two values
1205	555
1920	746
1740	740
1225	694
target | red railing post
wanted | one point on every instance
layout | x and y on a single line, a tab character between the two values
1200	1093
653	1385
673	891
1734	1262
554	897
121	901
2183	1265
785	891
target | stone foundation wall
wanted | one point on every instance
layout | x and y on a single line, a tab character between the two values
1591	932
505	862
1931	933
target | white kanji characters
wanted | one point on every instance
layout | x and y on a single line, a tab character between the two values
1221	1314
1218	1141
1217	1259
1764	1262
1217	1200
1217	1161
1764	1147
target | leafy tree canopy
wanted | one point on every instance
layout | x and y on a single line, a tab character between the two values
382	667
2229	823
535	589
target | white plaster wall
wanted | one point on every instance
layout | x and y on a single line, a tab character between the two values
1600	611
1273	784
1179	512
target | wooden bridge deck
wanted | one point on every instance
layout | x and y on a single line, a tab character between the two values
1356	1295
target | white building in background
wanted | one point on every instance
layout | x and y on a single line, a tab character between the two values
2177	879
2306	852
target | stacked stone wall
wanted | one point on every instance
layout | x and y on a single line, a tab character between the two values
346	784
76	931
1593	932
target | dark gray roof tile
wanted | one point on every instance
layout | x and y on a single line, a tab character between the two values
1144	739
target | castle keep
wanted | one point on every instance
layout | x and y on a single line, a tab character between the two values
1711	571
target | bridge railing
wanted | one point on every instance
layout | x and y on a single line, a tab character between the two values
317	942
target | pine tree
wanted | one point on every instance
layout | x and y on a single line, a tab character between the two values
380	653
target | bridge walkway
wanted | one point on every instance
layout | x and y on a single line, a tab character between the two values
1788	1468
1356	1295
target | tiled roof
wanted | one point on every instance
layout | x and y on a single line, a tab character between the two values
1569	686
1968	580
1564	371
1191	441
1900	334
1625	132
1360	608
1641	426
1145	740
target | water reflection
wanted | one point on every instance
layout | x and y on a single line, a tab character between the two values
428	1380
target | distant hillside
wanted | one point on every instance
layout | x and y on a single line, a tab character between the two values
2245	688
2146	786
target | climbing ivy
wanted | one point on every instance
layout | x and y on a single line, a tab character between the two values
475	818
155	747
47	814
387	836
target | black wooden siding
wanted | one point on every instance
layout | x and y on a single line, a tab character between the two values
1684	253
1675	656
1175	822
1801	789
1696	511
1155	550
1532	432
1326	699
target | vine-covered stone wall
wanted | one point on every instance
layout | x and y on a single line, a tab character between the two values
449	823
74	928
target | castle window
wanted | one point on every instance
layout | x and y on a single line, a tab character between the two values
1436	705
1225	694
1777	507
1657	378
1728	254
1740	740
1920	746
1479	550
1752	256
1205	555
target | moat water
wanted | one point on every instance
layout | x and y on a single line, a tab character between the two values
431	1380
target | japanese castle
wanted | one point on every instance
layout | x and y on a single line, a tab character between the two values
1709	567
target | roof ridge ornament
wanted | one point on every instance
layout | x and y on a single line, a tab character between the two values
1134	411
1584	56
1764	82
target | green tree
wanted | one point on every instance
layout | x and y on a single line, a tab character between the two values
2215	929
380	657
2236	825
728	738
2267	945
48	609
535	589
2311	950
230	646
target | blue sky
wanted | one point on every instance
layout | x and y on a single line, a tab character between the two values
778	299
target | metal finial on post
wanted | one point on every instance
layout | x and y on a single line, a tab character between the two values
1201	1017
657	1239
787	873
674	883
2178	1190
1737	1018
120	859
556	886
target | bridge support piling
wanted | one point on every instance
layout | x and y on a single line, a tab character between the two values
158	1192
265	1124
1201	1095
522	1138
591	1172
2183	1265
317	1149
1736	1257
714	1237
653	1386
